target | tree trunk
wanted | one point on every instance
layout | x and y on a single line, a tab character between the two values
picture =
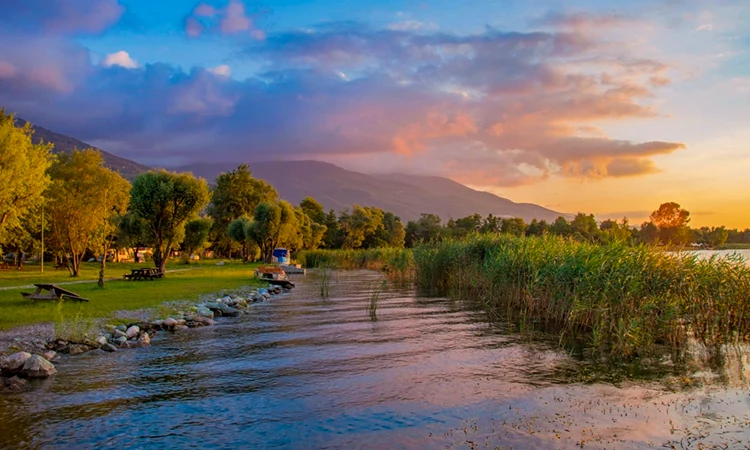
163	261
101	271
76	264
19	258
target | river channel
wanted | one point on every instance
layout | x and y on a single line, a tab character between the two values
301	371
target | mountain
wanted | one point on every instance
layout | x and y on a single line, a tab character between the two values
127	168
407	196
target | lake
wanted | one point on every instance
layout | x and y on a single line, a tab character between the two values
304	372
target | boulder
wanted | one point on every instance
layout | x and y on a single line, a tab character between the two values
205	312
76	349
229	311
14	363
144	340
38	367
170	322
157	323
181	321
118	333
109	347
122	328
14	384
181	327
204	321
132	332
257	297
101	340
241	303
120	340
213	306
49	355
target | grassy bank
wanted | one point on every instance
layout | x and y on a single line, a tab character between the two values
201	278
624	301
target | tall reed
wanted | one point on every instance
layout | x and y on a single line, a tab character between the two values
396	263
626	301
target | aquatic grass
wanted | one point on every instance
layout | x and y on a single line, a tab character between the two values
625	301
375	293
396	263
325	275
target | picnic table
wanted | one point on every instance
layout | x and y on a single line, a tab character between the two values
144	273
53	293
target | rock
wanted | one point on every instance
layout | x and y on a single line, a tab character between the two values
76	349
170	322
38	367
229	311
15	384
241	303
121	340
262	291
49	355
118	333
203	321
205	312
122	328
144	340
213	306
266	295
101	340
14	363
109	348
181	327
157	323
181	322
132	332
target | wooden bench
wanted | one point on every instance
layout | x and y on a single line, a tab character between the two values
53	293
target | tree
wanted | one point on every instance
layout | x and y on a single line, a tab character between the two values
131	233
309	233
359	225
236	194
196	235
166	201
537	228
238	230
712	237
584	228
514	225
560	226
394	231
23	176
313	209
611	230
491	224
648	233
83	201
426	229
333	236
274	224
672	222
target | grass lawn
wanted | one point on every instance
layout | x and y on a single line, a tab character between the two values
201	278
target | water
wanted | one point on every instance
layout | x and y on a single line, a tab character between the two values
744	253
306	372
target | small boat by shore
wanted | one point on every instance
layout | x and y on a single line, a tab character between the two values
274	275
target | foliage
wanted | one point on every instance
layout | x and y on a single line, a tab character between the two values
236	194
426	229
672	222
314	210
84	200
360	224
131	232
514	225
166	201
274	224
196	235
239	231
23	176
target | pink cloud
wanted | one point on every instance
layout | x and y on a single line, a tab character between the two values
229	20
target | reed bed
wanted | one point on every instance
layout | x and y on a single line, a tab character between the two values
624	301
397	264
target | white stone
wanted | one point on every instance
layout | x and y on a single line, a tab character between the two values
132	332
15	362
38	367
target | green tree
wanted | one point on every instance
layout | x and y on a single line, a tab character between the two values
166	201
584	228
196	236
560	227
491	224
333	236
537	228
314	210
84	201
672	222
131	232
513	225
426	229
23	172
649	233
274	224
394	231
309	233
359	225
611	230
236	194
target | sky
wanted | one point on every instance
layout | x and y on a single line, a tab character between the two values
600	107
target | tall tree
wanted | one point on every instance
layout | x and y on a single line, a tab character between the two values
560	226
274	224
513	225
236	194
309	233
196	236
537	228
166	201
672	222
131	233
611	230
359	225
584	228
426	229
83	201
333	236
239	230
313	209
23	172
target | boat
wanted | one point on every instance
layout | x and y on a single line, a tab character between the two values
274	275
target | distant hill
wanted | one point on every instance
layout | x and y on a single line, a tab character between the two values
407	196
127	168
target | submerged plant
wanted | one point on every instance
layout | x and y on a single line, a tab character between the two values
375	293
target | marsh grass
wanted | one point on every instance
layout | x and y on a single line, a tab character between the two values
75	327
375	292
325	276
623	301
396	263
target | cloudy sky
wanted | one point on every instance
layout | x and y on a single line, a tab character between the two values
605	107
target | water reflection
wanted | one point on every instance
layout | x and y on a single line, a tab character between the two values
307	372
